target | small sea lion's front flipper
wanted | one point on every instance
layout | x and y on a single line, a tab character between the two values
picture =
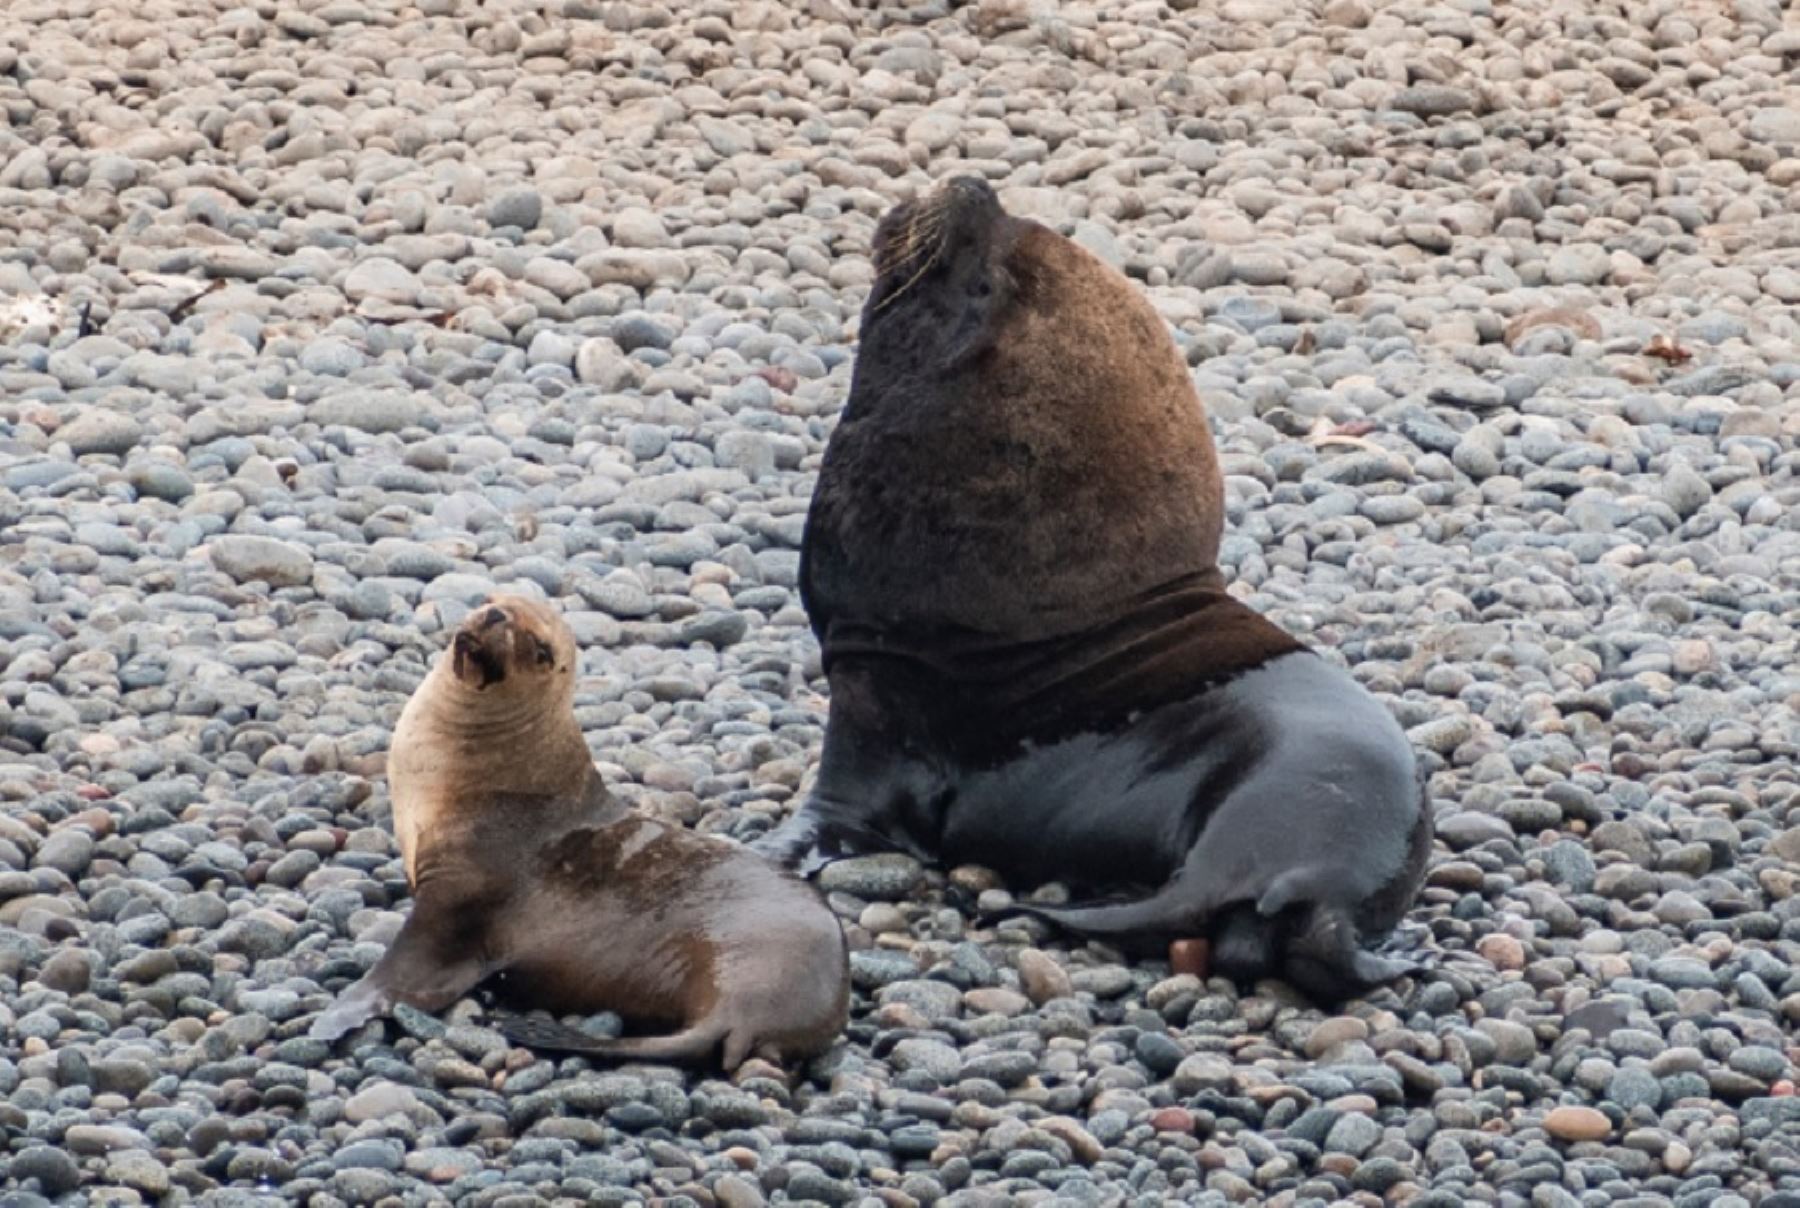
428	966
353	1008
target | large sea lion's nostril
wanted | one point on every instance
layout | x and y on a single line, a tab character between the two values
493	617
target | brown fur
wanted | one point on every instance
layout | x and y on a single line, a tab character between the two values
525	869
991	474
1022	498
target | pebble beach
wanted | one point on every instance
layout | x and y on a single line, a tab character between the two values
322	319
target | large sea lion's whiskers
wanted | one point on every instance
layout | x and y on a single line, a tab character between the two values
922	227
924	230
911	241
911	281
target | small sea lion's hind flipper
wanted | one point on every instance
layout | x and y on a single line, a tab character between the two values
691	1044
1246	945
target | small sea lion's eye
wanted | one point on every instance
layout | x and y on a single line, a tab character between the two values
545	655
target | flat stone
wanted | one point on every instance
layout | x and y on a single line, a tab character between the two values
95	430
277	563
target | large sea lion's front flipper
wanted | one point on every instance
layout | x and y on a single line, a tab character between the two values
810	838
428	966
792	844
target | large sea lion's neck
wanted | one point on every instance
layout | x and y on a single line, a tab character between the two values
1166	645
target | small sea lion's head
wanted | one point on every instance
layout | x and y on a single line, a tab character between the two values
512	641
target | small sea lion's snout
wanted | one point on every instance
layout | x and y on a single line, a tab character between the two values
502	637
475	661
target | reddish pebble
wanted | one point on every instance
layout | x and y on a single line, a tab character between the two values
1173	1120
93	792
1501	951
779	378
1191	956
1782	1089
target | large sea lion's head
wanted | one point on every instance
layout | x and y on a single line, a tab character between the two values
1023	453
513	646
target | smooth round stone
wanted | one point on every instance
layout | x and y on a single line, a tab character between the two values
1392	509
887	877
522	208
1354	1135
1634	1086
1570	1123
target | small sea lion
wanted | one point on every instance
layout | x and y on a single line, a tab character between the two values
527	871
1010	562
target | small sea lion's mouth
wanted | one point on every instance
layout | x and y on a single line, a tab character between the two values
474	661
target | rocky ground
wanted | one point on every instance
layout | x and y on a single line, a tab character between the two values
319	318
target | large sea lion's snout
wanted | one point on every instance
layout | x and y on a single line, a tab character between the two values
912	237
943	276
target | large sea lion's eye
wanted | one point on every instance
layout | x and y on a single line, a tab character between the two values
545	655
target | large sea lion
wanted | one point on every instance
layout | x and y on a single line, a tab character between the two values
1010	562
526	870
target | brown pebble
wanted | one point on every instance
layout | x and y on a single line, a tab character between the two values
1193	956
1041	977
67	971
1570	1123
99	822
1172	1120
756	1067
1330	1033
743	1159
1503	952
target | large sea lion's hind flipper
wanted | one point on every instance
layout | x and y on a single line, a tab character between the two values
692	1044
1326	960
1160	914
